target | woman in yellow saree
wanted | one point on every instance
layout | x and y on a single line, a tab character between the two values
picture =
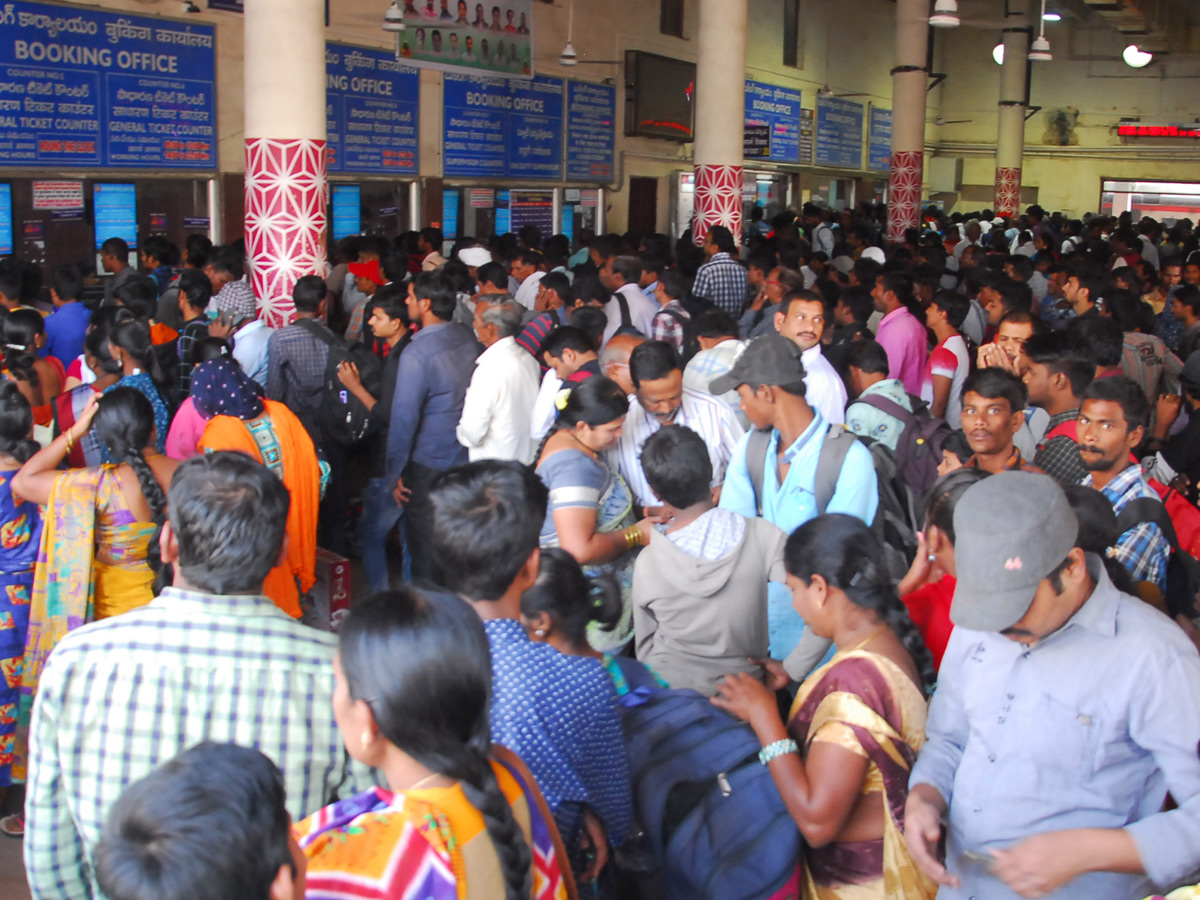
99	552
842	762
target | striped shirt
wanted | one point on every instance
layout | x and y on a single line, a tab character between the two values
121	696
705	414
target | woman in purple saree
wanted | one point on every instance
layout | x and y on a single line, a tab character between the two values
842	761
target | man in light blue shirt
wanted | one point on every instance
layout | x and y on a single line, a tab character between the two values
1065	711
769	377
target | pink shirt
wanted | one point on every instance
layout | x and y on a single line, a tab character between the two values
906	343
183	440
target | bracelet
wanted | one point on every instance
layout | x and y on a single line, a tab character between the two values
777	749
70	443
633	537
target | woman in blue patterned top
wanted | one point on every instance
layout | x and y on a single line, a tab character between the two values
130	347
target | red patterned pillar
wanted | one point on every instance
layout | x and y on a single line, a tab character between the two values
1008	191
720	116
904	193
285	149
1010	126
909	78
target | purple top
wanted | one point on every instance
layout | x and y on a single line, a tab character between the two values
906	343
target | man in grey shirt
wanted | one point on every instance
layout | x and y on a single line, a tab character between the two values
1065	711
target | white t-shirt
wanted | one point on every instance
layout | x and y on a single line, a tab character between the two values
948	359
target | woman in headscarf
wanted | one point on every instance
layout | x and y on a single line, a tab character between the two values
239	419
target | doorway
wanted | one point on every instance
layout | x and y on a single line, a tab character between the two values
643	205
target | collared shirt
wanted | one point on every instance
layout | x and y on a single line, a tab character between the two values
867	421
1014	463
527	293
641	311
296	369
755	322
1087	728
1059	456
666	327
703	413
122	695
823	387
431	386
65	331
559	714
708	365
903	337
1146	359
498	407
722	281
791	504
251	345
1144	550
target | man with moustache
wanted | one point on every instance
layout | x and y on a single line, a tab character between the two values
801	319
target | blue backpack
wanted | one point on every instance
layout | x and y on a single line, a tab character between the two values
715	820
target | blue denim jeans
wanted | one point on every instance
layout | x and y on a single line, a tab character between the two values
380	514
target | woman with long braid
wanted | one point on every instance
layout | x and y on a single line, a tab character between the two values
413	689
842	761
99	545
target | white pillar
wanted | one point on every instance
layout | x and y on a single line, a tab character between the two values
1010	134
284	62
720	116
909	81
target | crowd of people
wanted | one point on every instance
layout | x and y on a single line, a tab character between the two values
915	523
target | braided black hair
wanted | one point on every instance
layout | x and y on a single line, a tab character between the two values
571	599
21	328
843	550
124	423
421	662
16	421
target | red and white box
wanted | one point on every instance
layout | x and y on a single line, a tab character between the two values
331	593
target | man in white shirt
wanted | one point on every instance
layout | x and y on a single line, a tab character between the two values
632	308
525	271
801	319
720	347
495	422
250	339
972	233
660	399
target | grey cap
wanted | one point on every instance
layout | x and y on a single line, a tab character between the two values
768	359
1190	376
1011	530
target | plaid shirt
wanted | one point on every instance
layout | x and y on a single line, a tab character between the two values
722	281
666	327
296	369
188	335
1144	550
120	696
1059	457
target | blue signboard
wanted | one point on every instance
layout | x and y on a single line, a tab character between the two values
773	113
6	223
371	111
80	87
879	140
839	133
591	118
502	128
347	210
116	213
450	201
503	224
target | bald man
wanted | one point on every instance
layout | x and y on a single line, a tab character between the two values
614	359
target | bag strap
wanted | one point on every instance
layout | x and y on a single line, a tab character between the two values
1147	509
322	334
888	407
829	464
626	318
756	463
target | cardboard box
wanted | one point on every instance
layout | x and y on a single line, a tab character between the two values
331	593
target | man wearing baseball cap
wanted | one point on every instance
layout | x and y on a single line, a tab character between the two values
769	378
368	278
1065	711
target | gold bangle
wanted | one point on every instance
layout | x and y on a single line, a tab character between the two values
70	443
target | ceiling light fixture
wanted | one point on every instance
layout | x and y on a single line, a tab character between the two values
393	18
1039	50
1051	17
945	14
1135	58
998	53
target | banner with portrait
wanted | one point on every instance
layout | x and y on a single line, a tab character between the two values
494	38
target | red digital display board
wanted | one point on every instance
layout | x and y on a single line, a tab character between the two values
1137	129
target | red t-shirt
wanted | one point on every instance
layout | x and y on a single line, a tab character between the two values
929	608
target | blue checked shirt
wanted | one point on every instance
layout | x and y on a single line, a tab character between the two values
121	696
1143	549
722	281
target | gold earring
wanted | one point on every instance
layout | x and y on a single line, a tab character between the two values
367	738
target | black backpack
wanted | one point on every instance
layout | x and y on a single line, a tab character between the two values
342	417
919	447
691	343
1183	569
627	326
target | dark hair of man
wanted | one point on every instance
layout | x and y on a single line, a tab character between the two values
433	237
954	305
868	357
560	284
567	337
199	248
844	551
493	273
651	361
628	267
606	245
1022	266
651	265
556	248
195	288
115	246
866	271
1189	296
791	255
1014	295
394	265
721	238
531	235
228	259
858	301
1021	317
764	264
943	496
1054	351
210	823
592	321
392	301
671	283
139	295
1126	393
590	289
67	281
1129	311
996	384
229	515
677	466
487	516
206	348
715	323
571	599
308	293
1089	278
420	661
1098	338
899	283
161	250
437	289
20	329
530	257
